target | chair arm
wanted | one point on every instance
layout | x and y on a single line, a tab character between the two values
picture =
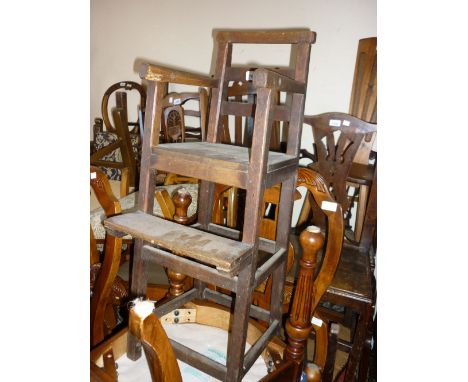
266	78
158	73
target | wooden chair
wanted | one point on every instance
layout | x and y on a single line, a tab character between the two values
118	149
105	121
174	126
352	288
204	252
175	129
344	160
106	288
363	102
121	252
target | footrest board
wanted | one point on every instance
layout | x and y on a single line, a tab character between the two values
223	253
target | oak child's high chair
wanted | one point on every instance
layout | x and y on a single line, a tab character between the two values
207	252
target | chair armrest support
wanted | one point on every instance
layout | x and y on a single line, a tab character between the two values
158	73
265	78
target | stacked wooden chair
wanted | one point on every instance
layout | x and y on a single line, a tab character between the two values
174	127
350	298
116	145
210	253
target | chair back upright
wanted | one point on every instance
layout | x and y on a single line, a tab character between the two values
103	272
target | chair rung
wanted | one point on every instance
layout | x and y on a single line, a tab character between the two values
198	360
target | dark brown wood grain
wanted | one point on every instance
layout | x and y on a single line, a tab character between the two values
173	126
253	168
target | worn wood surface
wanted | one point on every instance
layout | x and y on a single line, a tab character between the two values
163	74
220	163
224	254
253	169
286	36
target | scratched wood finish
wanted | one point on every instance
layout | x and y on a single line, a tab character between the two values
224	254
335	159
253	172
173	126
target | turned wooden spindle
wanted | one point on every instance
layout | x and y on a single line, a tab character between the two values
298	325
181	199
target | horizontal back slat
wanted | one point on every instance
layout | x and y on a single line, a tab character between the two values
238	73
266	37
191	113
279	112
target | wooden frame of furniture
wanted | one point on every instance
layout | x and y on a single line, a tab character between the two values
228	263
103	273
173	126
122	86
342	161
123	143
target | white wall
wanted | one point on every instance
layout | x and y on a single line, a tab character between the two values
179	34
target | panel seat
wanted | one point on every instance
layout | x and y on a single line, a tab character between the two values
352	278
217	162
225	254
